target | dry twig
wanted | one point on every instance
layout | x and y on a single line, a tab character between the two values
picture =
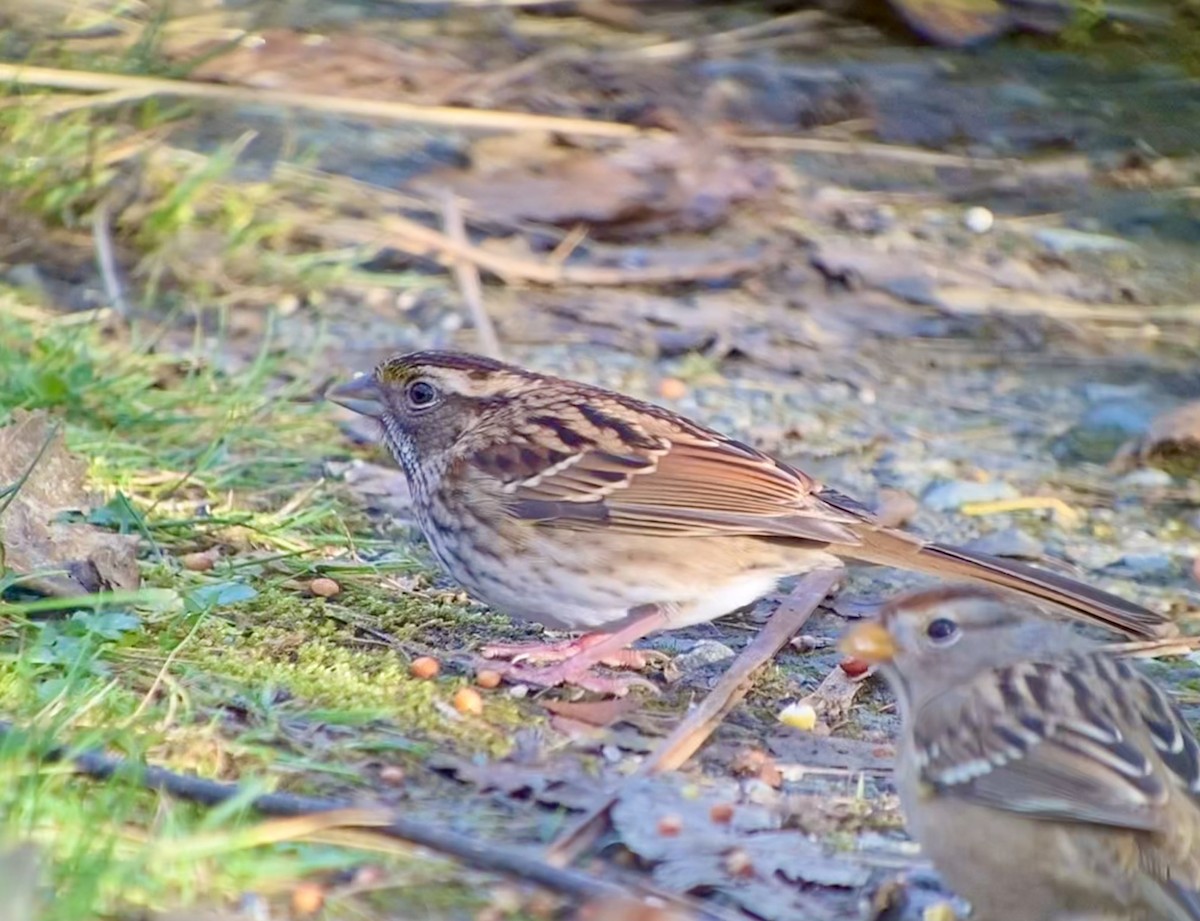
698	725
466	273
420	240
139	87
325	815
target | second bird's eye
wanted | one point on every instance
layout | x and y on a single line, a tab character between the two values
942	630
421	393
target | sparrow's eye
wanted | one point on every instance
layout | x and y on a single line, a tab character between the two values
421	394
942	630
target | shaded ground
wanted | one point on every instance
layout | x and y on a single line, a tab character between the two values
784	248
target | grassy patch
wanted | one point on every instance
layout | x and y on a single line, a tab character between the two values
235	672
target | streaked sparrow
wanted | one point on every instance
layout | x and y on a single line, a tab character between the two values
587	510
1047	778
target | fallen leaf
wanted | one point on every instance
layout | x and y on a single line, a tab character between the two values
63	558
594	712
343	64
793	875
643	188
955	23
561	784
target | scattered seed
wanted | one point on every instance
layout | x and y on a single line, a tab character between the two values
200	562
424	667
307	898
324	587
487	679
853	667
669	826
939	911
799	716
467	700
721	813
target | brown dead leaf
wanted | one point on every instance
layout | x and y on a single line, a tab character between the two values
342	64
64	558
562	783
643	188
1172	442
956	23
593	712
779	874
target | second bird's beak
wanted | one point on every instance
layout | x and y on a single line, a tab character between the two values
869	642
360	394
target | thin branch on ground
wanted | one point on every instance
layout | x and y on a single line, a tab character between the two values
503	858
701	722
420	240
106	260
466	274
19	76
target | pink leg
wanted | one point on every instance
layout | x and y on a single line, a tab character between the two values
593	649
547	653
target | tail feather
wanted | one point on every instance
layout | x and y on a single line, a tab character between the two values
894	548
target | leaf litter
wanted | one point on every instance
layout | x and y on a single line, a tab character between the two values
43	484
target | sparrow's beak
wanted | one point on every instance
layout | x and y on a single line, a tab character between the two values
360	394
870	642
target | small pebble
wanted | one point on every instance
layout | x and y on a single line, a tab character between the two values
705	652
1144	565
1146	478
895	507
424	667
1008	542
468	701
946	497
978	219
392	775
324	587
1062	240
487	678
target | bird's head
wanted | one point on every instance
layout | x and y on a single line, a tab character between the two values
427	401
944	637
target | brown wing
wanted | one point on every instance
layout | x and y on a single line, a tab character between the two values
594	466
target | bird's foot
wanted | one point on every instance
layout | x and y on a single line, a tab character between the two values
564	651
576	675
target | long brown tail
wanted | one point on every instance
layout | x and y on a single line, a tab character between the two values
894	548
